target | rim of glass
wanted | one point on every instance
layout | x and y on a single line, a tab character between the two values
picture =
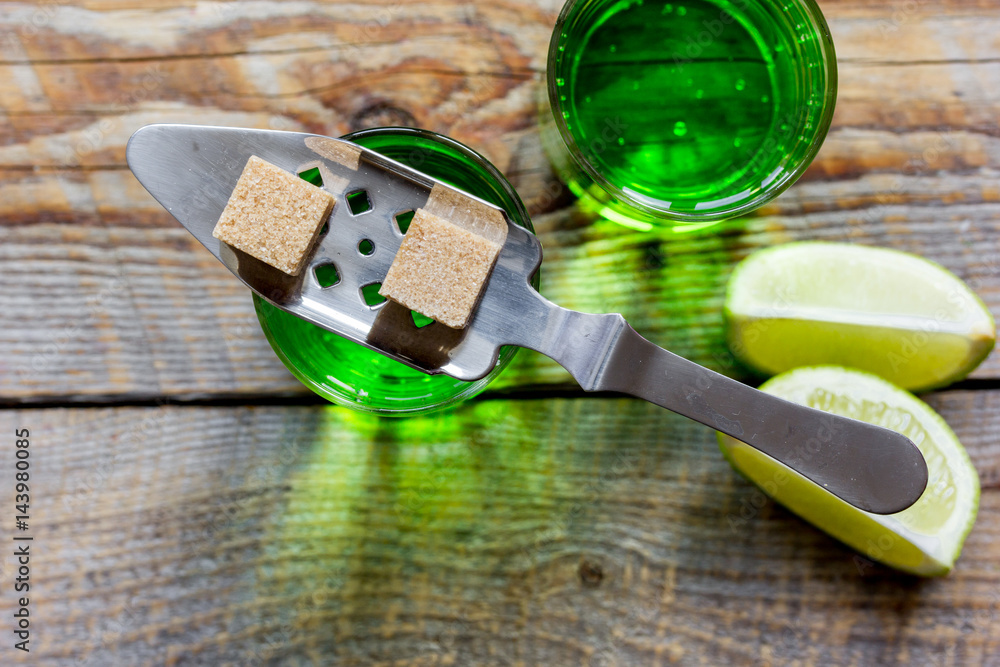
506	354
825	41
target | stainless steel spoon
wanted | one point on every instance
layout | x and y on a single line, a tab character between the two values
192	170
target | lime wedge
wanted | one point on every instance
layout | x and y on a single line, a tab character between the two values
900	316
926	538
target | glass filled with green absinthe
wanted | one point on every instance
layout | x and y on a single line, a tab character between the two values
686	112
352	375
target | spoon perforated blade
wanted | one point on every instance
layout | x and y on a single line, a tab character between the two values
192	170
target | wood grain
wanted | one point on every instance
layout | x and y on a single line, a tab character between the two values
106	295
509	532
555	532
145	312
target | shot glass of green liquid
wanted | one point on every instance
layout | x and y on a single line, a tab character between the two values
352	375
679	112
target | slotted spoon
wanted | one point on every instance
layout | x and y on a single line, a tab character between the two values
192	170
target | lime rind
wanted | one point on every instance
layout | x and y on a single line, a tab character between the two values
926	538
900	316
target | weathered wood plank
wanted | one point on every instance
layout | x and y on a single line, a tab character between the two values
537	532
332	67
911	163
81	112
92	312
532	532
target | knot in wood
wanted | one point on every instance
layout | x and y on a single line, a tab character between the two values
381	114
591	574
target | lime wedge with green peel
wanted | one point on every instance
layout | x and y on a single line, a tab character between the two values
926	538
900	316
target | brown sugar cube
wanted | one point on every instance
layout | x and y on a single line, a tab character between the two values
440	269
274	216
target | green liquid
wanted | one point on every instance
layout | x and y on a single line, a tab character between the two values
691	107
353	375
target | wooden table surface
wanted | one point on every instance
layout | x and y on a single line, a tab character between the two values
192	504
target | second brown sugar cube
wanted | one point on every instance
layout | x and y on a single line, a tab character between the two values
440	269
